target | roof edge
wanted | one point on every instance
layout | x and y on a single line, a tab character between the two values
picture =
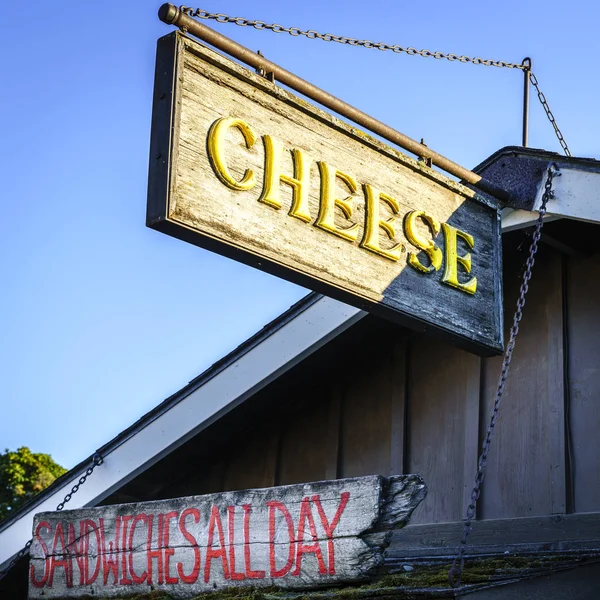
537	153
267	330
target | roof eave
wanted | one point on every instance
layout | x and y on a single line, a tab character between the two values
279	346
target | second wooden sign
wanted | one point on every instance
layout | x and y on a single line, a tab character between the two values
297	536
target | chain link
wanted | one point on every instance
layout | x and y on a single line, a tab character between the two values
340	39
97	460
544	103
455	573
20	554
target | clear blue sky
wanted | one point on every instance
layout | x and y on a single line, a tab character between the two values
103	318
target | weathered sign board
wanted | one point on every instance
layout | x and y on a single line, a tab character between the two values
296	536
240	166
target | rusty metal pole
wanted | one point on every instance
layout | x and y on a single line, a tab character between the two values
526	85
173	16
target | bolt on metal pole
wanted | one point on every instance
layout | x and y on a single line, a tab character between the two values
170	14
526	85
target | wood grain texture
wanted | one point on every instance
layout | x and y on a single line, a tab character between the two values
309	438
526	468
256	465
302	536
527	534
443	411
367	424
583	320
198	207
398	408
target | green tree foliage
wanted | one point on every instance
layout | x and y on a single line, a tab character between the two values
23	474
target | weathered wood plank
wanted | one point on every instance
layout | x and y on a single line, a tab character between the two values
583	327
443	421
526	468
292	536
325	224
526	534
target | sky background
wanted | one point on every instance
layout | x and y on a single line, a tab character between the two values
102	318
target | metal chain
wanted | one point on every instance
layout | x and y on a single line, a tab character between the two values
97	460
455	573
330	37
340	39
20	554
544	103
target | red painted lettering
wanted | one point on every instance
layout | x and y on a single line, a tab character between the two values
110	561
231	530
169	551
193	576
87	527
329	529
76	547
38	583
137	519
124	578
301	548
215	519
249	573
157	554
65	563
273	506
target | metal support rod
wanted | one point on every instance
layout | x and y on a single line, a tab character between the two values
173	16
526	84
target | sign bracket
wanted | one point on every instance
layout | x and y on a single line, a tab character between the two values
170	14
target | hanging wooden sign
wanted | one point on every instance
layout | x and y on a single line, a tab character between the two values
240	166
296	536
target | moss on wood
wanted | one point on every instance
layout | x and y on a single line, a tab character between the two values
423	579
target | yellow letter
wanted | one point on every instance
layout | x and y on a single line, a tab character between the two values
328	202
428	246
370	239
299	183
453	260
215	140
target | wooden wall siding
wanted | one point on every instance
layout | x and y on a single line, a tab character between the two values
371	393
208	479
442	426
399	406
309	438
378	400
253	461
526	470
583	320
211	479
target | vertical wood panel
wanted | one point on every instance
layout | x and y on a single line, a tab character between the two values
253	464
583	319
473	366
398	409
309	444
208	479
526	469
212	479
334	416
372	413
442	429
